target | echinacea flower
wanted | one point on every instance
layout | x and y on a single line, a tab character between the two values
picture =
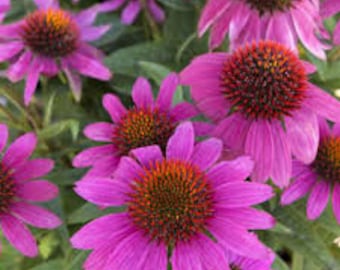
321	178
284	21
260	98
51	40
132	9
148	122
330	8
243	263
184	203
5	5
20	188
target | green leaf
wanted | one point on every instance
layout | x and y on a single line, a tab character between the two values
58	128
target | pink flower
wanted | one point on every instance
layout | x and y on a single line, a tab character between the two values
171	203
132	9
330	8
148	122
252	20
320	178
51	40
263	105
19	189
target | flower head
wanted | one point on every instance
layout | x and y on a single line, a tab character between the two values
132	9
263	105
19	189
321	177
284	21
51	40
183	203
148	122
330	8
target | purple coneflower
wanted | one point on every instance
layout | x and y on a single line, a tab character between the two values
321	177
132	9
184	203
330	8
19	188
148	122
285	21
51	40
263	104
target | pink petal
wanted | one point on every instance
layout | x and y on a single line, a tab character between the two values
114	107
100	131
181	144
35	215
20	150
18	235
89	156
206	153
18	69
130	12
148	155
75	82
33	169
167	90
3	136
37	191
318	199
336	202
142	93
32	80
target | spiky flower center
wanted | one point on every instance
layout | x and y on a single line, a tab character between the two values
51	33
143	127
327	162
264	80
7	189
172	201
270	6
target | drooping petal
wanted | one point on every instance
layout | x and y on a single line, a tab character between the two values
89	156
318	199
3	136
37	191
35	215
100	131
130	12
32	169
18	235
336	201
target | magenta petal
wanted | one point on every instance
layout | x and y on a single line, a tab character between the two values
303	134
32	169
37	191
206	153
89	156
35	215
282	163
32	80
156	255
298	188
259	145
249	218
318	199
128	170
182	111
336	201
130	12
18	235
235	170
242	194
167	90
21	149
181	144
45	4
114	107
148	155
100	131
236	238
101	191
98	231
75	83
3	136
8	50
18	69
104	167
323	103
142	93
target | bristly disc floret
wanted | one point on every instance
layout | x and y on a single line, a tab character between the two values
143	127
327	162
51	33
270	6
172	201
7	189
264	80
